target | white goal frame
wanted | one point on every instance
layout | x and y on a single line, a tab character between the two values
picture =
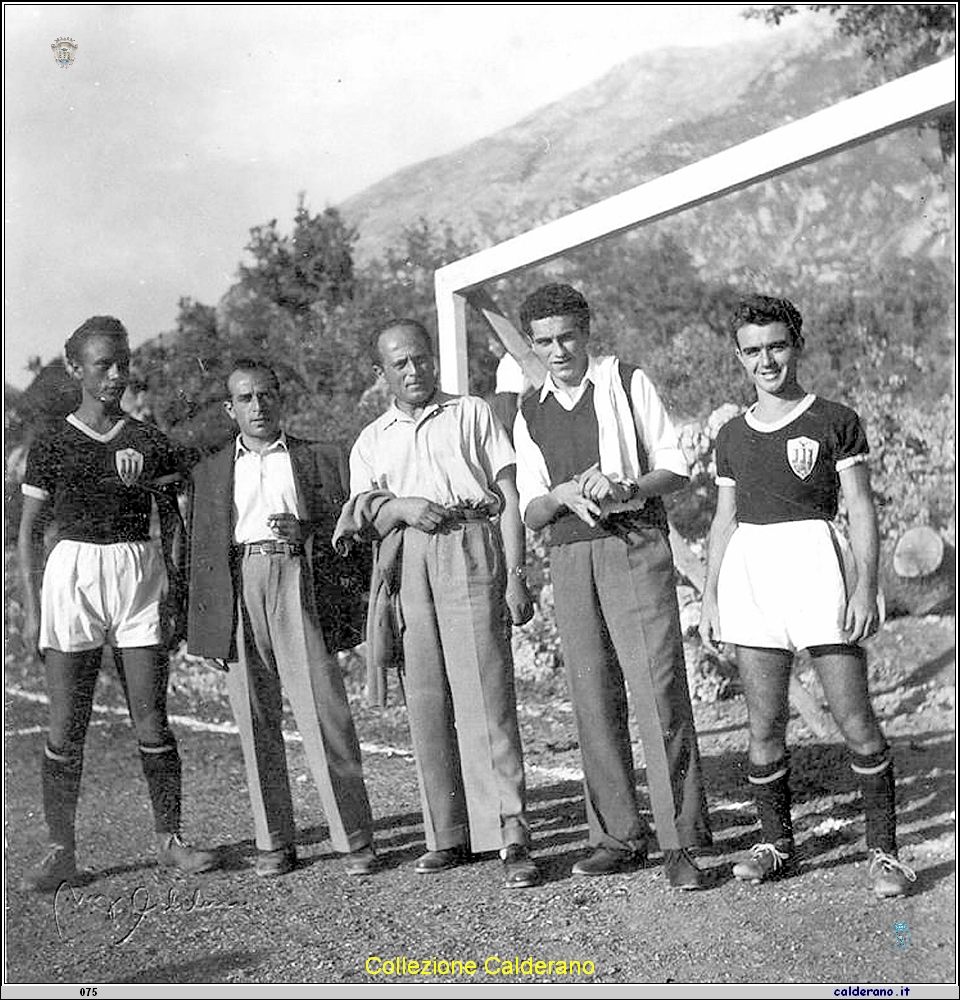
857	120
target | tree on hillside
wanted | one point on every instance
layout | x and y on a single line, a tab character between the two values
282	308
400	283
892	333
183	372
651	306
896	38
314	263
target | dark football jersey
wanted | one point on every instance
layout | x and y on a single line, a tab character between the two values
101	485
788	470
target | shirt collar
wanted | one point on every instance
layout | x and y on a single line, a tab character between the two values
394	415
549	386
241	449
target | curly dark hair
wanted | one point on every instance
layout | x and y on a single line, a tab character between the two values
762	310
553	300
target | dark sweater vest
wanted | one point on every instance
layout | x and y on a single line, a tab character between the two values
570	443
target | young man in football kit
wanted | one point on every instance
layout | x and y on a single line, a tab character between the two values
105	582
781	578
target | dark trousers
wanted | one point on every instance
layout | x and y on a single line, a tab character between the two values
616	606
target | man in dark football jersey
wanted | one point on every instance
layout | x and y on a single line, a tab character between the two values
780	577
105	582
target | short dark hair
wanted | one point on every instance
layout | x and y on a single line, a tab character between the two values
95	326
762	310
251	364
553	300
413	324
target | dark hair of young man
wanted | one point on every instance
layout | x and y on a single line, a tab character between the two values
553	300
96	326
762	310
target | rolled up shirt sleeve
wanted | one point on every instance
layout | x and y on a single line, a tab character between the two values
533	479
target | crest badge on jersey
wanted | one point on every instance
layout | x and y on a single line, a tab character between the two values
802	455
65	52
129	465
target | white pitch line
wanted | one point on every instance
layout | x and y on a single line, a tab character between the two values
35	730
185	722
230	729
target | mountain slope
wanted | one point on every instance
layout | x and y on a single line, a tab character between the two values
660	111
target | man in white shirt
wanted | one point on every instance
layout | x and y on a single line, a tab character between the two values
445	468
595	453
263	512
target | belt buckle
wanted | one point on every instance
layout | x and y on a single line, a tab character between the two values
273	547
267	547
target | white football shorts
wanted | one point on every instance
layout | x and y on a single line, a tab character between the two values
96	595
785	586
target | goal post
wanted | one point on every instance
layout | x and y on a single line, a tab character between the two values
849	123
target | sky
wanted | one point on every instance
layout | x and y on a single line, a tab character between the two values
133	176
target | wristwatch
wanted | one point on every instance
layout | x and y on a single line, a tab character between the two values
520	572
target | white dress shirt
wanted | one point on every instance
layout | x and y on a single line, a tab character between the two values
263	484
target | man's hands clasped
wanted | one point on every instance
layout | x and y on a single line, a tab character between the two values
593	495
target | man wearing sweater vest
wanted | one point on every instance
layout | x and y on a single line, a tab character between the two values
595	453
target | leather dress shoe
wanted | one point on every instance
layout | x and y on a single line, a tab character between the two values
270	864
606	861
363	861
441	861
682	872
520	869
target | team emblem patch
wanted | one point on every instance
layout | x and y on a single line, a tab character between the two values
802	455
129	465
65	52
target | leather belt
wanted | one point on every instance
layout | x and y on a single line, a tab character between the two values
455	514
271	547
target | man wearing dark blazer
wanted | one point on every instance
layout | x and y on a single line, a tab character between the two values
262	516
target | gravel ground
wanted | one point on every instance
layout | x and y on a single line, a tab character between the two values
131	923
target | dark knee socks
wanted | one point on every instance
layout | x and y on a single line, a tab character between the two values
875	776
60	773
161	768
876	780
770	784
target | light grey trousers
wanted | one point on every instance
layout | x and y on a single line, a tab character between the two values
281	647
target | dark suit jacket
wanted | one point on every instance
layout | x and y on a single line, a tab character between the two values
321	478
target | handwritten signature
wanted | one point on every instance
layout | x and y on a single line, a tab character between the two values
122	914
